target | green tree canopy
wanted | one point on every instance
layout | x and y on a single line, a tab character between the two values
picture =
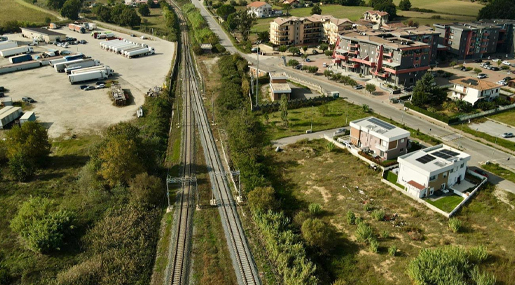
146	190
41	226
405	5
317	234
370	88
71	9
225	10
294	50
316	10
55	4
103	13
144	10
427	92
386	6
262	199
497	9
130	18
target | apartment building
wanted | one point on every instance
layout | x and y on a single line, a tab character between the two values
385	140
506	40
307	30
383	55
421	34
469	40
424	171
473	90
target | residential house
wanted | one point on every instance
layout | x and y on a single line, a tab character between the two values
436	168
292	3
383	55
260	9
380	18
384	140
473	90
279	85
307	30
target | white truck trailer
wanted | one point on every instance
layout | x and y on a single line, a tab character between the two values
88	69
119	49
15	51
9	114
83	64
107	44
140	52
8	44
59	67
89	76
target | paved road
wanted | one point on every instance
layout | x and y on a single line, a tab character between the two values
494	129
478	151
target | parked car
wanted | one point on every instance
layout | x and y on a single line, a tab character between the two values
100	83
315	51
478	60
89	88
506	62
502	82
100	86
507	78
255	49
507	135
481	172
495	68
28	100
396	91
463	68
65	52
298	66
307	59
324	64
83	42
481	76
82	87
359	86
339	131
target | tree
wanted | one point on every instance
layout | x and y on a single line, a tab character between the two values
103	13
283	48
144	10
48	20
41	226
305	48
477	70
146	190
27	147
427	92
497	9
232	22
130	18
294	50
323	47
328	53
225	10
263	36
316	9
284	110
405	5
317	234
464	106
71	9
498	62
453	63
55	4
287	7
370	88
293	62
150	3
245	21
386	6
262	199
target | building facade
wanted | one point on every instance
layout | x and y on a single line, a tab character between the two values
279	86
421	34
427	170
474	90
42	35
380	18
260	9
383	55
307	30
384	140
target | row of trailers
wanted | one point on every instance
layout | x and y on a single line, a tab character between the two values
127	48
81	69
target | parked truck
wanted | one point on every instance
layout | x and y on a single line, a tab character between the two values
59	67
74	57
80	65
88	69
140	52
77	28
8	44
120	49
9	114
20	58
89	76
90	26
15	51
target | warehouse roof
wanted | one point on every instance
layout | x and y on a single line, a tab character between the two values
43	31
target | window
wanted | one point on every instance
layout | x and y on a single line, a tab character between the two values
432	178
402	140
444	174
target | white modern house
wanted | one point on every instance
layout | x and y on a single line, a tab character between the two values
436	168
473	89
260	9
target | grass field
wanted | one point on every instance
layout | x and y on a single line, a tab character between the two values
500	171
425	18
307	173
507	117
155	20
456	7
16	10
447	203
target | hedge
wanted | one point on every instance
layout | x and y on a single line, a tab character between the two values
439	117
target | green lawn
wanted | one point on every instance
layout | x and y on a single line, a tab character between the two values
425	18
392	178
500	171
447	203
307	172
507	117
16	10
446	6
338	11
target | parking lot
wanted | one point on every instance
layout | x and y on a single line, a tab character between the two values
493	129
65	108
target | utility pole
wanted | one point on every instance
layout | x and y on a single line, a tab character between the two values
213	106
257	73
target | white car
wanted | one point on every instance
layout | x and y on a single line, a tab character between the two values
502	82
506	62
481	76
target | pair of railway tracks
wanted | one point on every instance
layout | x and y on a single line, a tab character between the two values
195	117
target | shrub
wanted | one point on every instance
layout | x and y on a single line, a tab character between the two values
374	245
262	199
478	254
330	146
293	62
312	69
146	190
328	53
315	209
378	215
468	68
363	233
328	73
41	227
283	48
367	207
359	220
317	234
351	218
392	250
482	278
385	234
505	67
220	48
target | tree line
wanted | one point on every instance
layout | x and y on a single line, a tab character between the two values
119	14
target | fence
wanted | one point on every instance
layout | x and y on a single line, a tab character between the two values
486	113
483	181
293	104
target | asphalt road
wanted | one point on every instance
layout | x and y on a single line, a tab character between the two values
479	152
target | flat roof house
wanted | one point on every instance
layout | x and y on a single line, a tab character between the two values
385	140
473	90
430	169
279	85
42	35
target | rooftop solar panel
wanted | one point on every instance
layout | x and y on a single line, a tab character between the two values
426	158
441	154
449	152
381	123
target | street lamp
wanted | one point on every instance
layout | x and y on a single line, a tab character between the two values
257	73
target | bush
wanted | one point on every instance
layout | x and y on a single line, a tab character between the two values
374	245
363	233
315	209
41	226
262	199
220	48
283	48
328	73
312	69
21	167
385	234
328	53
293	62
392	250
147	190
378	215
482	278
351	218
468	68
478	254
367	207
317	234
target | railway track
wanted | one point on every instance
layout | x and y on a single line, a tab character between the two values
242	260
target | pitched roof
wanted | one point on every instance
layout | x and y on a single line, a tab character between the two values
380	13
475	83
331	18
257	4
289	1
416	185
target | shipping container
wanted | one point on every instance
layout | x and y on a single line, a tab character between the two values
20	58
19	66
8	115
89	76
81	65
8	44
15	51
27	117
